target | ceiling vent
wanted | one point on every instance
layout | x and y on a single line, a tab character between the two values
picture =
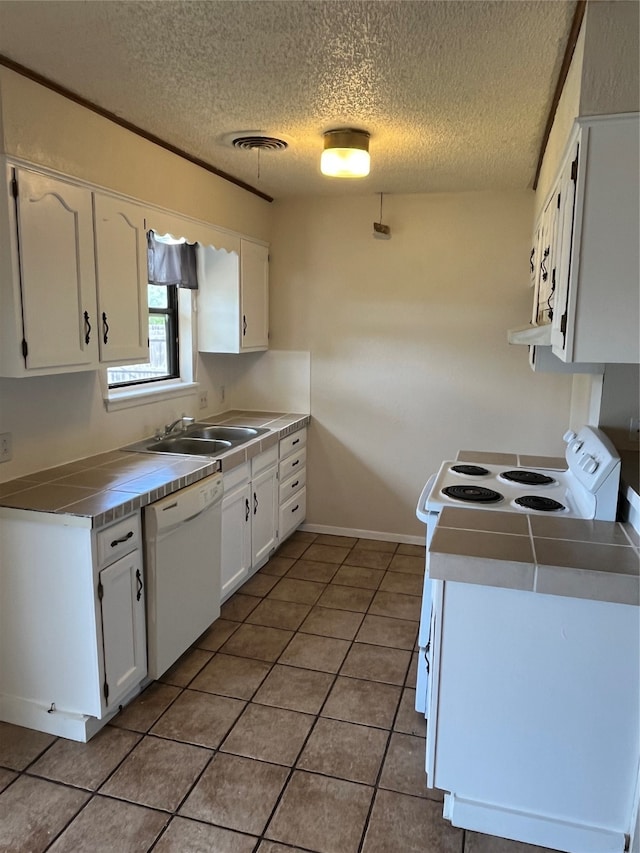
262	143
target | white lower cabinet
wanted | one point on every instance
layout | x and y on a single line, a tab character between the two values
532	729
264	501
120	591
249	517
293	479
236	528
72	621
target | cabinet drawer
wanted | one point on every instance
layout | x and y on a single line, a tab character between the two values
292	485
293	442
118	539
241	474
292	513
292	465
264	460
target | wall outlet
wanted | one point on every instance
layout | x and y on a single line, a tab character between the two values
5	447
203	400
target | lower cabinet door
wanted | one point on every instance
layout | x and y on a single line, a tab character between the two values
123	627
236	538
264	508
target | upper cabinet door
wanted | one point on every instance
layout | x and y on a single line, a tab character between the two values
121	271
254	289
57	273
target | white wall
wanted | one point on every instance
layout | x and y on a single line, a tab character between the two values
54	419
611	68
409	356
44	128
603	77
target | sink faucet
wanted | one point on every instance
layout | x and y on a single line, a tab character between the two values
183	422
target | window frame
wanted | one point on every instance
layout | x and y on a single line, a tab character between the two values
173	341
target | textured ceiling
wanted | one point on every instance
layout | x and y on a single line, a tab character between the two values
454	93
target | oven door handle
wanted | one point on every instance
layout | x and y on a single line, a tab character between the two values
421	510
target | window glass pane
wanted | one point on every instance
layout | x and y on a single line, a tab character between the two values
163	348
157	296
158	352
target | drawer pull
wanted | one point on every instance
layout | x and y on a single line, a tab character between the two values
170	506
296	508
293	485
122	539
293	464
297	441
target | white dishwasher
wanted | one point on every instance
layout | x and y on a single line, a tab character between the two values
182	550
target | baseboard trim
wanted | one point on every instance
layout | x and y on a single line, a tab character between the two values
362	534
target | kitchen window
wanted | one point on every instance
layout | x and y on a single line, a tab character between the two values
170	372
163	342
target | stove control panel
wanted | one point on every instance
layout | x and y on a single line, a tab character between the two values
594	462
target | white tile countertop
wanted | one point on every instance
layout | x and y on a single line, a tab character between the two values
111	485
579	558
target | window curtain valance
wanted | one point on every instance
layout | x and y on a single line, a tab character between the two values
172	263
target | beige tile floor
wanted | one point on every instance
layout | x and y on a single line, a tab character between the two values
288	726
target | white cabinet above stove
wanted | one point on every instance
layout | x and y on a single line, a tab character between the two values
585	260
596	264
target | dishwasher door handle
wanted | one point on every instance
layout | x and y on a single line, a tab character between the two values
163	532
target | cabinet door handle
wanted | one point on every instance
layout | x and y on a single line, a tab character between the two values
87	326
244	325
297	441
543	266
105	328
122	539
247	509
255	503
140	586
533	251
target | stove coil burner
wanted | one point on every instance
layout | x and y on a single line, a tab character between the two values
470	470
540	503
472	494
527	478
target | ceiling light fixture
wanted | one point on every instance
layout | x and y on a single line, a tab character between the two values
346	154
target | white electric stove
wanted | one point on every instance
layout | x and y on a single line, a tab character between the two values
587	488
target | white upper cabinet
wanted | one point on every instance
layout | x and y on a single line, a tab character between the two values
254	290
54	282
233	299
121	273
73	277
596	301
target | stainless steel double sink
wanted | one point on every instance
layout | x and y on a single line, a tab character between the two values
199	439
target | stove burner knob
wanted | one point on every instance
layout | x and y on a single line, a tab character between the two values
575	445
589	464
569	436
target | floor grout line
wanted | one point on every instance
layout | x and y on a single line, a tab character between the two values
352	642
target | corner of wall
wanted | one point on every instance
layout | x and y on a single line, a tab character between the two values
611	70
